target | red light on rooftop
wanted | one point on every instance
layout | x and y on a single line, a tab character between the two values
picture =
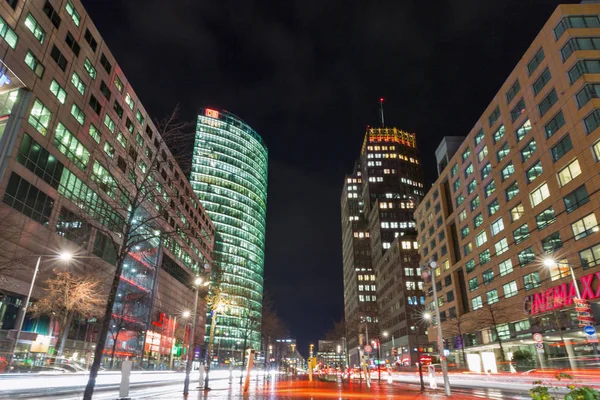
381	99
211	113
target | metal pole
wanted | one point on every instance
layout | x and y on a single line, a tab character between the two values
440	337
378	361
22	319
188	366
421	371
574	281
209	351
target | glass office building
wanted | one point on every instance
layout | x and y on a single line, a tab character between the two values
229	176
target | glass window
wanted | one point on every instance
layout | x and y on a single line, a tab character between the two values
518	110
110	124
467	248
532	280
476	303
568	173
8	34
521	233
540	194
555	124
596	148
497	226
122	140
559	270
480	239
78	114
545	218
590	257
510	289
591	91
575	21
526	256
490	188
73	12
94	133
140	117
78	83
535	171
469	170
512	191
501	246
457	184
561	148
528	150
470	266
535	62
39	117
505	267
478	220
471	186
464	231
517	212
547	103
109	149
466	154
539	84
583	67
499	134
462	215
129	101
58	91
89	67
585	226
35	28
118	84
507	171
473	284
27	199
576	198
460	199
512	92
35	64
486	171
475	203
492	296
68	144
494	116
503	152
493	207
523	129
551	242
454	170
482	155
484	257
488	276
479	137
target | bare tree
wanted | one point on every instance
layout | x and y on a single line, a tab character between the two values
337	332
145	211
68	296
123	318
456	326
494	315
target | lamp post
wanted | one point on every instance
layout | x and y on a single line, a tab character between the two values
550	262
386	334
188	366
433	265
65	256
213	323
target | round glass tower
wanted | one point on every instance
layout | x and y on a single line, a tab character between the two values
229	176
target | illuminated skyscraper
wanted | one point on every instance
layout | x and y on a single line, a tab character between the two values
229	176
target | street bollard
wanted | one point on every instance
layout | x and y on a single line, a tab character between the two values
125	375
250	362
201	380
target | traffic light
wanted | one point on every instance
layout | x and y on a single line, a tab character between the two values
394	352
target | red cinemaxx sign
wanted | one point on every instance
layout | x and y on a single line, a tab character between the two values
563	295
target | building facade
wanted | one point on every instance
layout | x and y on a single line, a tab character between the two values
378	202
229	176
76	146
517	205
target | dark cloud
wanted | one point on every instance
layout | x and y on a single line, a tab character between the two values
307	75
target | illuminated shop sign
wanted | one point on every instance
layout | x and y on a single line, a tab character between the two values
560	296
4	79
211	113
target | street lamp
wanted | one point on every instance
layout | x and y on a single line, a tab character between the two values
433	265
65	257
188	366
385	335
219	306
550	262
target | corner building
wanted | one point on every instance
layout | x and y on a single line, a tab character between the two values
381	287
229	176
72	130
522	188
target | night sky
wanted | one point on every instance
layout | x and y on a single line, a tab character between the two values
307	76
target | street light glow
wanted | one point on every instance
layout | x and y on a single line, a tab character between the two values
549	262
65	256
198	282
426	316
386	334
186	314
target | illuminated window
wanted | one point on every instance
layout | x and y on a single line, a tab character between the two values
490	188
501	246
568	173
551	243
34	63
559	270
478	220
512	191
532	280
78	83
87	65
484	257
507	171
492	296
526	256
510	289
73	12
505	267
517	212
523	129
585	226
476	303
534	172
499	134
539	195
545	218
39	117
482	154
66	142
479	137
110	124
8	34
58	91
35	28
521	233
94	133
497	226
493	207
480	239
528	150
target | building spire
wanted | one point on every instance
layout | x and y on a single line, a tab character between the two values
381	112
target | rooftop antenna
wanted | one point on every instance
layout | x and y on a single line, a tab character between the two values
381	112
